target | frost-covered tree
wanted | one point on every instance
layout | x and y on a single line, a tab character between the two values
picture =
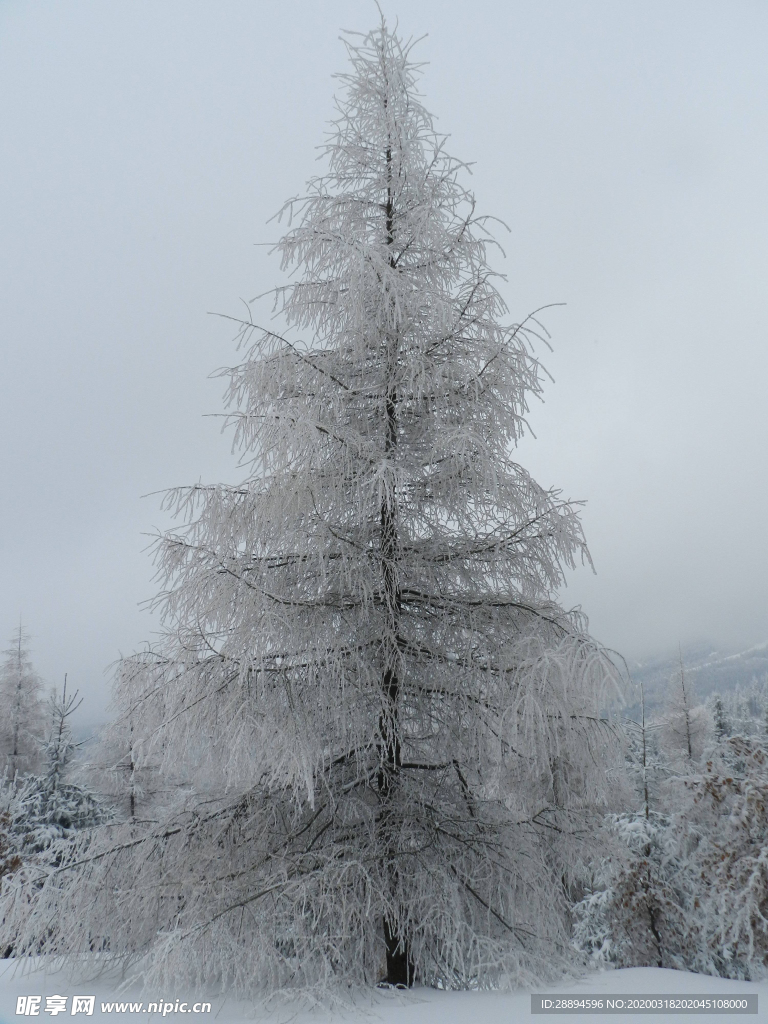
40	815
687	724
635	915
742	711
647	766
720	720
59	747
393	734
9	858
125	763
639	918
42	809
687	886
21	723
720	832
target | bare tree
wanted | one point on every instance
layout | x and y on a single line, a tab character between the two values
21	724
687	724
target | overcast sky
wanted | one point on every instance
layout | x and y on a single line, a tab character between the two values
145	145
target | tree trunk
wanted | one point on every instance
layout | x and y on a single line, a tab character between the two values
399	965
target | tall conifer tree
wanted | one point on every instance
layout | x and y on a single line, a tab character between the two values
364	652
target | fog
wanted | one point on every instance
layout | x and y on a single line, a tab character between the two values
147	144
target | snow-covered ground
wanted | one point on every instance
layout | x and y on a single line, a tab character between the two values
421	1006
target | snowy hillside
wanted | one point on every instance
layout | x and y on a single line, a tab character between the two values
707	668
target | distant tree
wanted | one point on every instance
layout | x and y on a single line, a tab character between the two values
22	720
742	711
393	734
686	724
647	765
720	717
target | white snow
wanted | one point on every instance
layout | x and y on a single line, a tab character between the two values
419	1006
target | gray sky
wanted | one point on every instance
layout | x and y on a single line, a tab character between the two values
146	143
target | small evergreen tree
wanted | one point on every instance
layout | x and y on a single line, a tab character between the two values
47	807
720	718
